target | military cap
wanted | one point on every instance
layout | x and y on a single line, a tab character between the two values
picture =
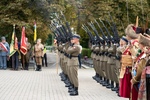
124	39
76	36
144	40
3	38
131	31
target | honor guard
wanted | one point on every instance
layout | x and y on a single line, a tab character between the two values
73	52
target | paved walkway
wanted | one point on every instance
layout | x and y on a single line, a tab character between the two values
46	85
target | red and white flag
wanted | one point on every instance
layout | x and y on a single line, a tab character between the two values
23	46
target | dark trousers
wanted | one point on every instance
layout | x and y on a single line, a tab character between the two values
148	87
25	62
15	62
79	59
44	60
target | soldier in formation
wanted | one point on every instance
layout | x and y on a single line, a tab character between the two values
69	63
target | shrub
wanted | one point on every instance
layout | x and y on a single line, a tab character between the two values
86	52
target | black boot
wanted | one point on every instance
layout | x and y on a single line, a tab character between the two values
63	77
94	77
105	82
111	85
67	85
75	92
40	67
116	88
71	88
37	68
101	81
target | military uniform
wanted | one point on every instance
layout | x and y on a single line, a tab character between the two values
38	53
73	52
93	56
104	66
110	65
101	63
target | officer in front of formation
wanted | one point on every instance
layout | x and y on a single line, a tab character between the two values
73	51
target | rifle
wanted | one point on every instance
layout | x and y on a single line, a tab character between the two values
96	33
63	28
115	30
86	29
59	31
67	25
114	39
103	35
109	36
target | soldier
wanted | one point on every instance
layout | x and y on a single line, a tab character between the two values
60	49
38	54
101	75
73	52
114	69
95	62
4	53
104	66
110	65
93	58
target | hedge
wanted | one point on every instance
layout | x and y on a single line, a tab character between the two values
86	52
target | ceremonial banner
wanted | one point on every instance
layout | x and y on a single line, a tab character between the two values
35	35
23	47
12	49
16	42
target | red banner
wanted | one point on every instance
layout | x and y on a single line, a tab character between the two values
23	48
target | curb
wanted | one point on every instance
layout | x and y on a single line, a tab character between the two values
85	66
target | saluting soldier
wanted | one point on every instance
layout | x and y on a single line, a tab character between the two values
102	63
38	54
73	52
96	51
93	59
105	68
110	65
